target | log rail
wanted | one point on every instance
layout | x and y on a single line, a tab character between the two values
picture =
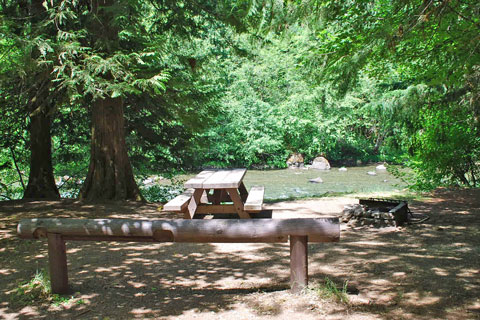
298	231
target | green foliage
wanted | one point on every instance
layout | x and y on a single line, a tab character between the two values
162	193
164	129
427	54
272	109
155	56
12	180
447	149
351	80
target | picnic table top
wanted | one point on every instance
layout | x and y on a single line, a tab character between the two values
217	179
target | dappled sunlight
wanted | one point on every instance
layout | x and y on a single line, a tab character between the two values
6	271
440	272
104	269
428	256
137	285
469	273
421	299
141	312
400	275
405	272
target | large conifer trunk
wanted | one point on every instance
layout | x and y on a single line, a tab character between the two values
41	183
110	175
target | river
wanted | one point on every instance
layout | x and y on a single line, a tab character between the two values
294	183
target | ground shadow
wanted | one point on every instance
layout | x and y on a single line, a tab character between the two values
424	271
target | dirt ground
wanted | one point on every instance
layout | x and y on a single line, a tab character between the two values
423	271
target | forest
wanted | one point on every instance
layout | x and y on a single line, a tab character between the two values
106	92
116	115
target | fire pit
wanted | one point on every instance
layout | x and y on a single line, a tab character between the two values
377	212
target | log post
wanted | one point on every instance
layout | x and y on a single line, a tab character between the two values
57	258
298	263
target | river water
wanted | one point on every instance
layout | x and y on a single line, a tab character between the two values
293	183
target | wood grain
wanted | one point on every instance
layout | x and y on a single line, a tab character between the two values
298	263
182	230
255	199
199	179
238	203
224	179
180	202
57	258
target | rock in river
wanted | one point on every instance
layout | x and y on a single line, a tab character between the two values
316	180
295	161
320	163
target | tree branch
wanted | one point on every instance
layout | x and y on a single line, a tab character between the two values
18	169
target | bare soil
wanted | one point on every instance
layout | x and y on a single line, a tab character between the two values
422	271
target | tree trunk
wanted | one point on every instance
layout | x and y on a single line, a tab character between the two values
41	183
110	175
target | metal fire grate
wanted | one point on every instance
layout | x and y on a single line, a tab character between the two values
398	208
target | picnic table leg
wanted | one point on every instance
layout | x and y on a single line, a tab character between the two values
224	197
205	196
220	195
238	203
57	260
217	196
243	192
298	263
193	204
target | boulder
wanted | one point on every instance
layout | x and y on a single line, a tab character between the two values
387	215
371	173
368	222
295	161
359	211
381	167
320	163
148	181
376	214
347	213
316	180
342	169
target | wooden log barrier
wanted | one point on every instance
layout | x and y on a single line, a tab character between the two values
300	231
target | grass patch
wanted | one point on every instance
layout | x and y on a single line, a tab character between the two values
39	290
329	290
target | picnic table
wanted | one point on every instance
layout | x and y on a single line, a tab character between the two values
217	192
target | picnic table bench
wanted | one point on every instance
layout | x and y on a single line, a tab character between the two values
218	192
